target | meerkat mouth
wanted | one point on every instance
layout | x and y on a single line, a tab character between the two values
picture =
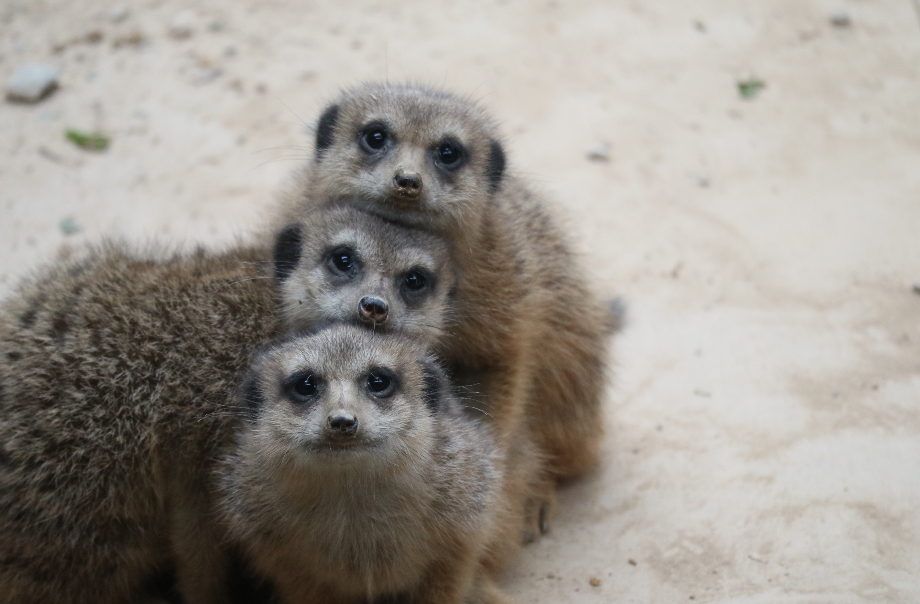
340	448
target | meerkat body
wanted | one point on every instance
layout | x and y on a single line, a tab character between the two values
360	477
528	324
115	373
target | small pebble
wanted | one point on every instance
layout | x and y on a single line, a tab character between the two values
632	562
917	287
135	38
31	83
93	37
181	26
595	582
840	19
203	75
69	226
118	13
600	152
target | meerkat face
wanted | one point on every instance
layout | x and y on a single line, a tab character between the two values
412	154
341	264
344	394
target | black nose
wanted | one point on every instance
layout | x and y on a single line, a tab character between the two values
373	309
407	184
343	423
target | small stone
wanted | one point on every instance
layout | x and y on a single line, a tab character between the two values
261	88
118	13
93	37
917	287
31	83
600	152
69	226
181	26
203	75
632	562
595	582
50	155
135	38
840	19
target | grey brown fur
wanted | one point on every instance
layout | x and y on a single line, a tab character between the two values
115	373
528	323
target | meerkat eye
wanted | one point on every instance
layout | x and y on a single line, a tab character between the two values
343	260
380	382
375	137
449	154
415	280
303	387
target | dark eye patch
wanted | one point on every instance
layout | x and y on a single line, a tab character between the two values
343	260
450	154
416	284
415	280
302	387
374	137
381	382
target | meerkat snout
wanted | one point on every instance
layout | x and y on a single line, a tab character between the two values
342	423
407	184
373	309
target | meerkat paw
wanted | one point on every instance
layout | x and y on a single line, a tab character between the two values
539	512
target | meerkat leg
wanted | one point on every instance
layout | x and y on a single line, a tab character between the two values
201	562
529	487
569	386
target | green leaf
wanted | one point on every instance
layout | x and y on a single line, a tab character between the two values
89	141
749	88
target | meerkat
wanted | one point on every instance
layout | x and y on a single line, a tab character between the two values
114	373
531	327
359	477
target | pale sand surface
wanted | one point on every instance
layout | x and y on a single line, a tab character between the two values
764	425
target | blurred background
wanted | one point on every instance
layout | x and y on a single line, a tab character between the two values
746	174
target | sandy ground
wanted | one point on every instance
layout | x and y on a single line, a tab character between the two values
764	425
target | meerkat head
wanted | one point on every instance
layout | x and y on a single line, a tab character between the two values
343	394
341	264
410	153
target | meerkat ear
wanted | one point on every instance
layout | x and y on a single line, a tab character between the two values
436	383
325	129
495	168
287	251
251	393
